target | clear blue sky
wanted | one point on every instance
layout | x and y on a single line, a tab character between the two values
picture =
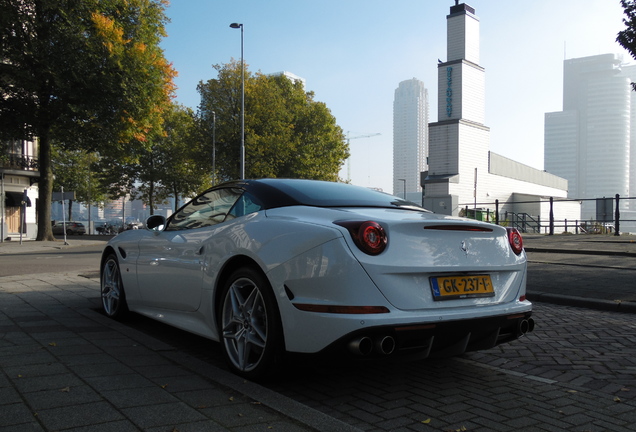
354	53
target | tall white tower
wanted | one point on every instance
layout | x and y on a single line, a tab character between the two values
458	141
463	174
410	138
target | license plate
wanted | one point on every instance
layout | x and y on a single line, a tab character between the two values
460	287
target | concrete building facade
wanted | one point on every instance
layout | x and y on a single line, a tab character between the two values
464	176
19	174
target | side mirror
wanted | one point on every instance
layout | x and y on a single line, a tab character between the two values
156	223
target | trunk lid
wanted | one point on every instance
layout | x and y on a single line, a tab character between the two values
427	252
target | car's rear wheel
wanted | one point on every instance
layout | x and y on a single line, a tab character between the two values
112	289
251	332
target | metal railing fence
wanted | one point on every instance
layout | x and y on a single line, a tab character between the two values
524	222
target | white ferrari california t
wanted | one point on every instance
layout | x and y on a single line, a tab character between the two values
275	266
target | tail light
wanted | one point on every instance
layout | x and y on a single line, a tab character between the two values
515	240
369	236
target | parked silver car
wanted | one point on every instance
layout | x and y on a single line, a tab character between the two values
71	228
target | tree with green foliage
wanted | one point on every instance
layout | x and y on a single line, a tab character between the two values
172	165
187	163
287	133
627	38
83	74
78	171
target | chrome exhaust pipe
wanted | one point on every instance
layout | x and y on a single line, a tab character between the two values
385	345
526	326
530	324
361	346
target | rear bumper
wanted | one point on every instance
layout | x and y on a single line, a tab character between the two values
434	340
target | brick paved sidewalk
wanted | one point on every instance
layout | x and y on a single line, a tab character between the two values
64	366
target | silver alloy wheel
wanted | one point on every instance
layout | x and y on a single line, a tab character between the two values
244	324
112	288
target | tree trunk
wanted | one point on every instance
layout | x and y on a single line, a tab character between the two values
45	188
151	197
176	198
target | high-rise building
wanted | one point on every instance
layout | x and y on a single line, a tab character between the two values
630	72
410	138
459	140
588	143
464	176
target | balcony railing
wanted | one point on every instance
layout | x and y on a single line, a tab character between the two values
19	162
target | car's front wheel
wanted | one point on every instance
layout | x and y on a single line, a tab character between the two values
112	289
251	332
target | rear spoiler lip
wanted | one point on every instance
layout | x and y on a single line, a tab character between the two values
458	227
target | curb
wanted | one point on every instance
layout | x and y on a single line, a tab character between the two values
580	251
597	304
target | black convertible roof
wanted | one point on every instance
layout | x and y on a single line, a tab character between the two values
275	193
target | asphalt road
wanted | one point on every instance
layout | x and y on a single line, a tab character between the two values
50	260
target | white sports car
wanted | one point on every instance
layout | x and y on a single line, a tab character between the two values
276	266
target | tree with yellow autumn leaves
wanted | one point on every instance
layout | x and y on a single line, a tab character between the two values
82	75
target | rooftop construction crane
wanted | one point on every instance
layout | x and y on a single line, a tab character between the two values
349	138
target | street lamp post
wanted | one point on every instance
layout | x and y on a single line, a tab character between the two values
213	148
242	165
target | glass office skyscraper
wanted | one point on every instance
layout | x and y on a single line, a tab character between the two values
589	142
410	138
